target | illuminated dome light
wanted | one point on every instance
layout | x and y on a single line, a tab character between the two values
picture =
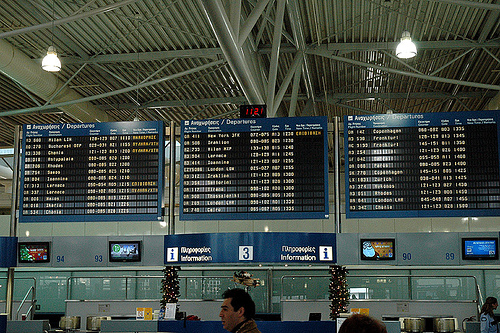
406	49
51	62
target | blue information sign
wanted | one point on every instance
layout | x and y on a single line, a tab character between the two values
92	172
245	248
273	168
422	165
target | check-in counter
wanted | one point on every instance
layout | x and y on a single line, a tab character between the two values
27	326
191	326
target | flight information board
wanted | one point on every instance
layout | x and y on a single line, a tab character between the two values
254	169
92	172
422	165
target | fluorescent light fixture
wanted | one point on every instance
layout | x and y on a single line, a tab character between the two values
51	62
406	49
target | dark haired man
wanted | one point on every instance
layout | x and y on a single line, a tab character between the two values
237	312
359	323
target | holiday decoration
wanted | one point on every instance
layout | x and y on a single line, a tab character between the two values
170	286
245	279
339	291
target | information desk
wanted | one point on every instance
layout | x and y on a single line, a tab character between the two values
422	165
254	169
92	172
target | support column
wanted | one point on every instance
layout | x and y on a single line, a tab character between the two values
171	197
13	222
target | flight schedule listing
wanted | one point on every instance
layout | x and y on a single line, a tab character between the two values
422	165
254	169
92	172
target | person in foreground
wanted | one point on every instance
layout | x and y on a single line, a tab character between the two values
487	318
237	312
359	323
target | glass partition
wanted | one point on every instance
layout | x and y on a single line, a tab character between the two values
383	287
276	285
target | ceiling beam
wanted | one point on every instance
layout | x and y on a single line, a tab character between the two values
421	45
176	103
228	41
345	97
300	41
275	53
481	5
324	52
58	33
405	95
213	52
68	19
112	93
210	53
27	73
378	46
186	103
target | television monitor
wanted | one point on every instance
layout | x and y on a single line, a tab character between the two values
378	249
33	252
124	251
480	248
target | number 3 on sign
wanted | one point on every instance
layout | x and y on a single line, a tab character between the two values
245	253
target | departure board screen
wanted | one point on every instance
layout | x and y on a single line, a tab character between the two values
237	169
92	172
422	165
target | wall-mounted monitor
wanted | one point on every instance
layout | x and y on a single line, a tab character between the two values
125	251
378	249
480	248
34	252
287	173
384	152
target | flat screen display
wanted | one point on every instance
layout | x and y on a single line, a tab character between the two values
378	249
31	252
92	172
422	165
247	169
129	251
479	248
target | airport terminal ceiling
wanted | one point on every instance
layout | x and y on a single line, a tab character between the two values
176	60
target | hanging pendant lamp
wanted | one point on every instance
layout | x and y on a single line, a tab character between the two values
406	49
51	62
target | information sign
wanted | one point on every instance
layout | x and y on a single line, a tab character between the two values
273	168
92	172
422	165
245	248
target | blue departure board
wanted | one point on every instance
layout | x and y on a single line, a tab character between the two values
237	169
422	165
92	172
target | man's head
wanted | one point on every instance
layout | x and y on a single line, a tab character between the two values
358	323
237	307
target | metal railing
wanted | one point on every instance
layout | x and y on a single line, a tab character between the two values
32	291
30	311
